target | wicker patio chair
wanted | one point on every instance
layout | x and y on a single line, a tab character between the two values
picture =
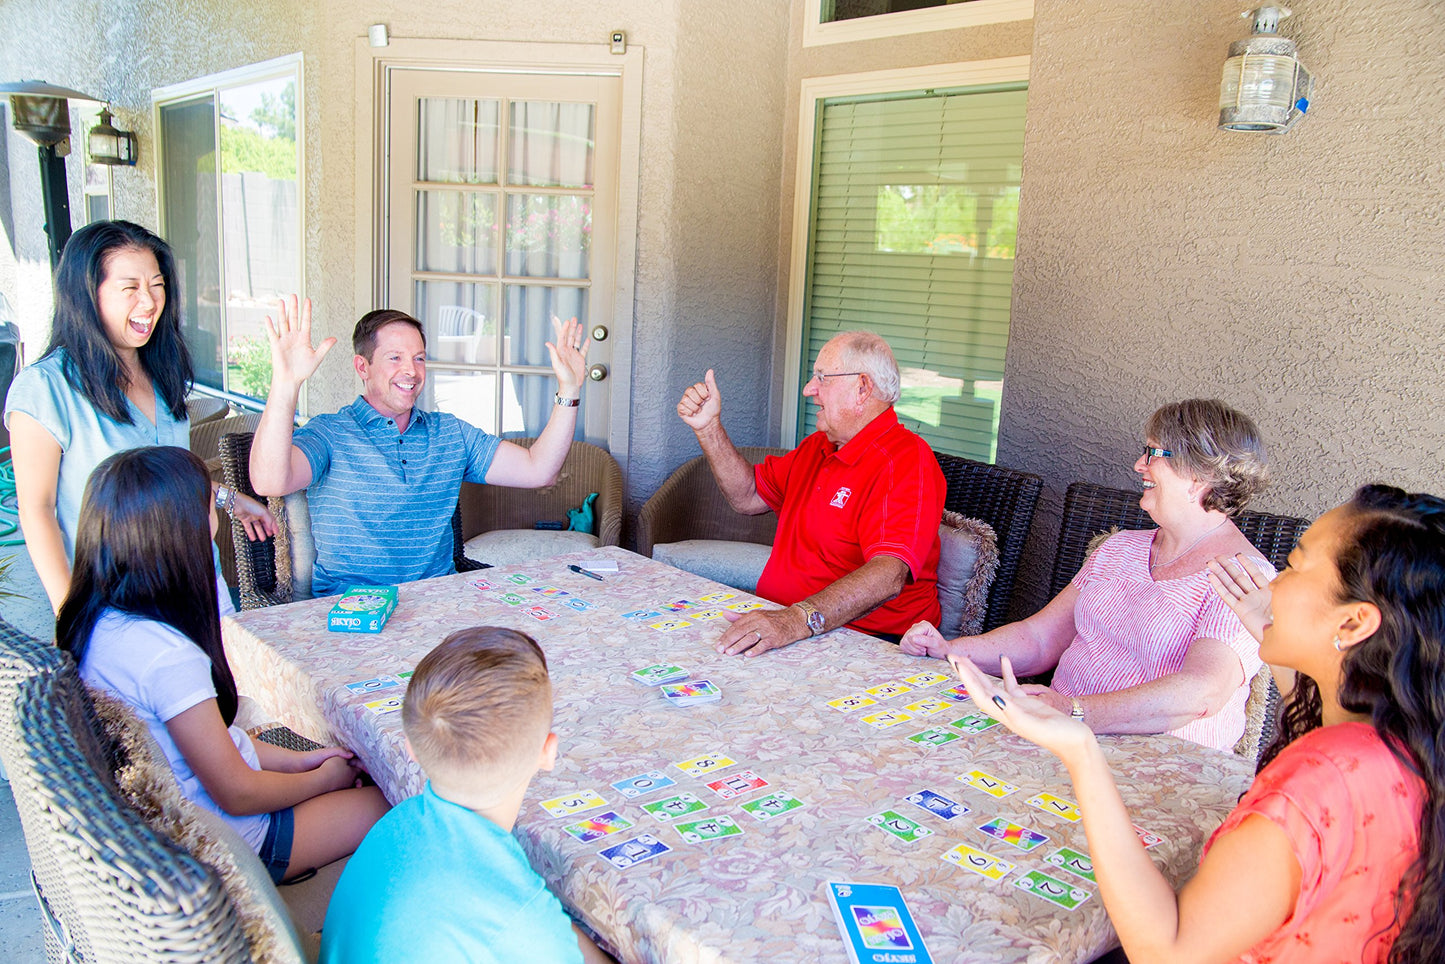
111	889
201	409
266	571
1004	498
1090	510
206	444
497	521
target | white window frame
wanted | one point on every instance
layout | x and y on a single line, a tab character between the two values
372	66
976	73
951	16
288	65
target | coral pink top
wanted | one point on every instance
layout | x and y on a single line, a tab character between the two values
1351	811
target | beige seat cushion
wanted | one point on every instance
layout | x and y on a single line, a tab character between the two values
506	547
736	564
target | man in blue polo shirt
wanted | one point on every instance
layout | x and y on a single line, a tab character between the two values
382	476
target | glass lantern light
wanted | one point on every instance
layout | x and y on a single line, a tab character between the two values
106	145
1265	88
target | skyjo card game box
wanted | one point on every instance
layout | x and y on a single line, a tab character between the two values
362	609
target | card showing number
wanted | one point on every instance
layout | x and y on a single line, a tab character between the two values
1075	862
983	864
643	783
711	828
990	785
573	803
900	826
1057	806
847	704
882	721
772	805
673	807
1052	889
706	763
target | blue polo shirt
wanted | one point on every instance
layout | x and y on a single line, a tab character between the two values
381	501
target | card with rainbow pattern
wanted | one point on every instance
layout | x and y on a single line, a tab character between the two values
1013	834
595	828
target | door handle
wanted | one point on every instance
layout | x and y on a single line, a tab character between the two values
597	372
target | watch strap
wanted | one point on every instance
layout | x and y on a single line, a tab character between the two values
566	402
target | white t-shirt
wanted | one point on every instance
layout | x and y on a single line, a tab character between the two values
161	673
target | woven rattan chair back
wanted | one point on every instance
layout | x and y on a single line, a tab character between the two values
1004	498
587	469
689	505
110	888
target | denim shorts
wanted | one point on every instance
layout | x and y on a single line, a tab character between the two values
275	850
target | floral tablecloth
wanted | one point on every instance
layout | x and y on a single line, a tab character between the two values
760	896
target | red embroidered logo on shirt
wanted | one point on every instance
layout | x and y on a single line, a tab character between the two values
840	498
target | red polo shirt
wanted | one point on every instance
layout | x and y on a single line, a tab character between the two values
880	494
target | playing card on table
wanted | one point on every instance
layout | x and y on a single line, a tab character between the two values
573	803
974	723
706	763
370	685
981	863
744	607
886	691
691	693
926	679
658	673
900	826
595	828
937	804
539	613
1057	806
551	590
772	805
1145	837
383	707
512	598
642	614
670	808
482	584
1013	834
1075	862
406	675
1052	889
709	828
737	784
717	597
668	625
702	615
885	719
955	694
643	783
927	707
635	851
678	605
990	785
933	737
847	704
578	605
519	579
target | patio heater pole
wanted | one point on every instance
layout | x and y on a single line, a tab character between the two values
55	200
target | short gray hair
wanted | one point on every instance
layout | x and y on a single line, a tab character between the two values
863	351
1217	445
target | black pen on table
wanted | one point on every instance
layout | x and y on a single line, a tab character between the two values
586	572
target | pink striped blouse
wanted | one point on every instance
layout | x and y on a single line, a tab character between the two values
1129	629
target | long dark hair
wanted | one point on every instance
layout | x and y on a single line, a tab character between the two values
143	547
93	364
1392	554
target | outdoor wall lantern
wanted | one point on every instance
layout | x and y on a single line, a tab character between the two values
1265	87
106	145
41	112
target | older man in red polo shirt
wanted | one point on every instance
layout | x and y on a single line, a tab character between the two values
858	504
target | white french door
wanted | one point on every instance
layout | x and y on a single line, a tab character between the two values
501	211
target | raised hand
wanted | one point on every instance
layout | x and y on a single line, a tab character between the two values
293	359
1031	717
701	405
924	639
1244	587
569	356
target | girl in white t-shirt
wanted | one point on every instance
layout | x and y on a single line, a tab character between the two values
141	619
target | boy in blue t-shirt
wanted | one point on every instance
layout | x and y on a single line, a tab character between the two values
440	878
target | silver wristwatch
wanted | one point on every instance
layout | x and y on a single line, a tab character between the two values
816	621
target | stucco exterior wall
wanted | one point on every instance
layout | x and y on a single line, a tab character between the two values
1300	277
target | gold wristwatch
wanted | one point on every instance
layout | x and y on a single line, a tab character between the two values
816	621
1077	712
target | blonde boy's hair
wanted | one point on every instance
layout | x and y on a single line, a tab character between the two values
480	704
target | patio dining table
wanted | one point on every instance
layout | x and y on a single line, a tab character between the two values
785	717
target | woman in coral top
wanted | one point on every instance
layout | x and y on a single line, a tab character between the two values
1337	851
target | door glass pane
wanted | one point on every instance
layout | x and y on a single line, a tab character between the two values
459	323
852	9
551	145
188	170
260	221
529	311
548	235
457	140
456	232
527	403
470	396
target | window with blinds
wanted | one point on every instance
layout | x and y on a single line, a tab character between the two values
914	221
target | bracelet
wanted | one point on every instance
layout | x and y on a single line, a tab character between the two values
567	402
1077	712
222	494
230	506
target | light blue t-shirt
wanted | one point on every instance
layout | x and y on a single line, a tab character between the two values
87	436
381	501
436	882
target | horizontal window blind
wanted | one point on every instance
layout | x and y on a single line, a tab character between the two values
914	221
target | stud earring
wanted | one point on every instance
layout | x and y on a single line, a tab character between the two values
1339	647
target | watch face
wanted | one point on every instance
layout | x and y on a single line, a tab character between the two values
815	621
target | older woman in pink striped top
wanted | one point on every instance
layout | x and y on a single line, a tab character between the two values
1138	641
